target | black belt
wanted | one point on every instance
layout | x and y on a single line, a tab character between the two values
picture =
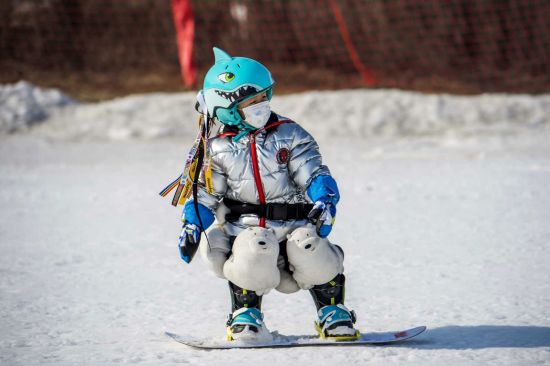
271	211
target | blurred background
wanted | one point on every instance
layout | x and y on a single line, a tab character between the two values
97	49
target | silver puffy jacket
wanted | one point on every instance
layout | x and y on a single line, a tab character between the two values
287	157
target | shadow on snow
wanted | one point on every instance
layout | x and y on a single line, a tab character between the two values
482	336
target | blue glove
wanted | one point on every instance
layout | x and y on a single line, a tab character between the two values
189	240
322	215
323	191
191	234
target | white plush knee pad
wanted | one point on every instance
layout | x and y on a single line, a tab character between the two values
214	251
253	263
313	260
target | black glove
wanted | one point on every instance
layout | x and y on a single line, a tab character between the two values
189	240
322	216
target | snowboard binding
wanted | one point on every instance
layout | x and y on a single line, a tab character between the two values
246	320
247	324
335	321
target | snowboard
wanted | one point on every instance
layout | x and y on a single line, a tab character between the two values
282	341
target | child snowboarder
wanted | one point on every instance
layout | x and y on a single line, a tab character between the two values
264	181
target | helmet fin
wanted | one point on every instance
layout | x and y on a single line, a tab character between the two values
221	55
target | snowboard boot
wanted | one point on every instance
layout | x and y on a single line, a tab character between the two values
335	321
246	320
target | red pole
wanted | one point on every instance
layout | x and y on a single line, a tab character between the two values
365	73
184	22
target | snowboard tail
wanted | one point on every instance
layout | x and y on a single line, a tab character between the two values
282	341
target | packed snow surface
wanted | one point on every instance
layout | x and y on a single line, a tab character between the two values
444	224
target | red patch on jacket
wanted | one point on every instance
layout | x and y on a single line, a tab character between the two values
283	155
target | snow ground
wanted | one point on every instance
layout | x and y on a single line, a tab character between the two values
445	229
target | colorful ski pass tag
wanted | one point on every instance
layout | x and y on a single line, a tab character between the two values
184	182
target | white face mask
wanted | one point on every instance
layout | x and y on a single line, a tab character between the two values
257	114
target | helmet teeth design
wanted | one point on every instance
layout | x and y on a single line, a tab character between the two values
230	81
238	94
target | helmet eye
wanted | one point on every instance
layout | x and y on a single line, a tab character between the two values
226	77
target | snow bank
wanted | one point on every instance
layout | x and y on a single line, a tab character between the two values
149	116
364	113
390	113
23	105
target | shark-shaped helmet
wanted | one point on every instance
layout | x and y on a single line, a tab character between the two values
232	80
